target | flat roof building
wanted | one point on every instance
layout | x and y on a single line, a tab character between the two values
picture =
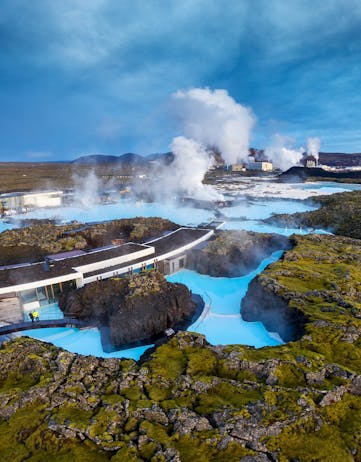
34	282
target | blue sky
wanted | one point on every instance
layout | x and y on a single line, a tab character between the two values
95	76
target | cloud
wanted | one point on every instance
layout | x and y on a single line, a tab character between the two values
78	62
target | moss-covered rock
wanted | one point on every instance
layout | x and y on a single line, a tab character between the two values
193	401
134	309
339	213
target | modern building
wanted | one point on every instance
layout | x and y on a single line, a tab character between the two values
40	283
263	166
20	201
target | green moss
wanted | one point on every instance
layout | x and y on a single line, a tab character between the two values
132	393
290	376
201	362
156	432
74	416
17	381
281	405
168	362
305	443
192	449
225	395
158	393
112	399
126	454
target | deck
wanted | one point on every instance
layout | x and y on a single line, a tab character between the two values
24	325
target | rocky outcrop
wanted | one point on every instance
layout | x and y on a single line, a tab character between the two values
339	213
263	304
38	238
189	400
134	309
234	253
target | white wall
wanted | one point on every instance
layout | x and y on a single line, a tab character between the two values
46	199
41	283
150	261
147	250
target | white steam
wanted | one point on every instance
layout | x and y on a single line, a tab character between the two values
282	154
214	118
313	147
86	189
208	119
191	161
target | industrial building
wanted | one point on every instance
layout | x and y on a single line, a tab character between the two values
21	201
263	166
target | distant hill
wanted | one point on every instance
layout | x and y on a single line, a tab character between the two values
303	173
95	159
165	158
128	159
333	159
339	159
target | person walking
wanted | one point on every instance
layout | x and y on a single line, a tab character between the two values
36	316
31	316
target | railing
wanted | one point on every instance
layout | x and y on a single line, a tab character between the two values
26	325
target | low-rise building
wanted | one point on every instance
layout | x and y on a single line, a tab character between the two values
263	166
20	201
38	283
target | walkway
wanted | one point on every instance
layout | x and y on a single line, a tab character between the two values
64	322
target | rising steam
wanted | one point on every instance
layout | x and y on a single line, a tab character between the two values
214	118
282	154
191	161
86	189
207	119
313	147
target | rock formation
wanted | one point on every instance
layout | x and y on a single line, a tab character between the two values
234	253
189	401
134	308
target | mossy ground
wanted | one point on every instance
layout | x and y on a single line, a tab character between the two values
299	401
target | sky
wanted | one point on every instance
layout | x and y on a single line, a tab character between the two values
84	77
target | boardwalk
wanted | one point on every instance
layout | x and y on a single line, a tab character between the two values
63	322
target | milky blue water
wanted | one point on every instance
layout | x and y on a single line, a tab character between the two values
186	216
259	209
260	227
221	322
85	342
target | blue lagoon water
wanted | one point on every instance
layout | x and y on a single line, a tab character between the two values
85	342
222	323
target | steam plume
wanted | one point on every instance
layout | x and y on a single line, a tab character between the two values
191	161
214	118
313	147
282	154
86	190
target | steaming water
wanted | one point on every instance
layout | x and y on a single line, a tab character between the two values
259	227
222	323
269	188
126	209
260	209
